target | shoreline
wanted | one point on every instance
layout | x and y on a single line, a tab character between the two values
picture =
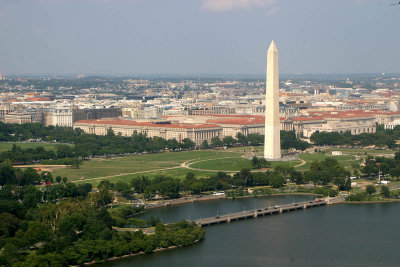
277	194
372	202
209	198
184	201
135	254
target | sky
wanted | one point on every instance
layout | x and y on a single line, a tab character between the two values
134	37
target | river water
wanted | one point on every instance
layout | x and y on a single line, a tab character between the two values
337	235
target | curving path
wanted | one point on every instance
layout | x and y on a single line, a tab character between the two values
303	162
186	165
123	174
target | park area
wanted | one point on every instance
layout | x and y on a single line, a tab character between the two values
4	146
178	164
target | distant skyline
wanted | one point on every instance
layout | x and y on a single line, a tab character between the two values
189	37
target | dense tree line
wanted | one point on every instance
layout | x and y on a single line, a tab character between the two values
382	138
259	163
87	145
67	224
326	191
321	173
382	165
168	187
371	194
327	171
18	155
288	140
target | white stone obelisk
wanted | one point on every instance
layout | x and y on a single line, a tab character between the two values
272	142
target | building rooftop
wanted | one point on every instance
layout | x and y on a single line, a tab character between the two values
148	124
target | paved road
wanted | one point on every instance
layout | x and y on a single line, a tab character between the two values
259	212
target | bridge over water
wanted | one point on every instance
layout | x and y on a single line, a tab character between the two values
259	212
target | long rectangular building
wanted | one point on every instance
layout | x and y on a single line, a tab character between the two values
164	129
205	127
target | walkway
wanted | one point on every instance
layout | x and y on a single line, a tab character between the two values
186	165
303	162
123	174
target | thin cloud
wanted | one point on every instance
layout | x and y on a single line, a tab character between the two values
5	14
273	10
223	5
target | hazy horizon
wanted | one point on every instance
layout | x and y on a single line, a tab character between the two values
210	37
222	76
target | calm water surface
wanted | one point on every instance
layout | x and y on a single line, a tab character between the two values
339	235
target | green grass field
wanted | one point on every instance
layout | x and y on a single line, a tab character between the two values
179	173
345	160
372	152
235	164
8	146
246	149
223	164
146	164
178	164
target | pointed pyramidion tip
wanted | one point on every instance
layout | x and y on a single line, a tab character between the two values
272	46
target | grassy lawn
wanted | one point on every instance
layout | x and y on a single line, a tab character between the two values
107	167
345	160
128	165
287	163
246	149
362	151
179	173
170	164
224	164
235	164
8	146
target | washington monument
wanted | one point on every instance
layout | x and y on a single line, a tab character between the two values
272	142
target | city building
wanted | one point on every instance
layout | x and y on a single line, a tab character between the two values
164	129
65	116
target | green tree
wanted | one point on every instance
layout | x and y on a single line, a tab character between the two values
216	142
385	191
7	173
395	172
188	144
370	189
255	163
276	181
190	176
397	156
205	145
122	188
140	184
9	224
242	139
228	140
284	170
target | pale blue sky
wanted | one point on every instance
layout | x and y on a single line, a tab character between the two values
198	36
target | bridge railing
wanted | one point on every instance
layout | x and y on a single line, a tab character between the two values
247	213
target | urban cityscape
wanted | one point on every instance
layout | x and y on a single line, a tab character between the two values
148	154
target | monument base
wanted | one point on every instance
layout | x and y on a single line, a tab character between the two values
289	158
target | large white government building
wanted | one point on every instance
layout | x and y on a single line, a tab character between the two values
164	129
200	128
